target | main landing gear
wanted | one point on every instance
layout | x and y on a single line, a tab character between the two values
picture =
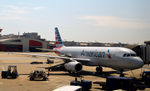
121	73
99	69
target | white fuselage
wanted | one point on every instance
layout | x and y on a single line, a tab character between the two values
115	57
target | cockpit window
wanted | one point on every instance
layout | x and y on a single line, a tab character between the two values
124	55
129	55
133	55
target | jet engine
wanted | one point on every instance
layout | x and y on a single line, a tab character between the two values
73	66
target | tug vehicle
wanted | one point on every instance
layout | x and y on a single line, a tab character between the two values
11	73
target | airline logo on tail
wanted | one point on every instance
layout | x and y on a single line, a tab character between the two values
58	38
109	56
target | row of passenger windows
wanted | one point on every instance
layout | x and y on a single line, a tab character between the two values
129	55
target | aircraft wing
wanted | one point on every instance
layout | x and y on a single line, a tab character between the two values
55	57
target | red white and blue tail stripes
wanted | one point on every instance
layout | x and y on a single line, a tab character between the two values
58	38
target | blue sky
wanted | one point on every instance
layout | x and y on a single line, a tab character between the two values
126	21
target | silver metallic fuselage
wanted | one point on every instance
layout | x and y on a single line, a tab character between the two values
112	57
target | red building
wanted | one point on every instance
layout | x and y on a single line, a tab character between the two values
22	44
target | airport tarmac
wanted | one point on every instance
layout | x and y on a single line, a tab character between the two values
56	78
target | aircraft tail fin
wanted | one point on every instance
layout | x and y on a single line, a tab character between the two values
58	39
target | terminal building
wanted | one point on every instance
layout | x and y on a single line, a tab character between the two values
23	43
143	51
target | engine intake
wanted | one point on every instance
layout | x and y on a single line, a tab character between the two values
73	66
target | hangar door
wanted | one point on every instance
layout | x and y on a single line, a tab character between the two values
33	45
10	48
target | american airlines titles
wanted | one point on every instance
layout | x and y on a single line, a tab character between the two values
93	54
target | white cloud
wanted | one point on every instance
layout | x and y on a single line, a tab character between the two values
115	22
38	8
12	13
17	10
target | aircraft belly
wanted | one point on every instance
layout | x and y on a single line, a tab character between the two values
120	64
112	63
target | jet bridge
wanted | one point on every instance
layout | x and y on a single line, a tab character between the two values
143	51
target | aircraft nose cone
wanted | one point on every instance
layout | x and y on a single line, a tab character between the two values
139	62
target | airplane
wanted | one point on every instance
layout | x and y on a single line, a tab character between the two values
118	58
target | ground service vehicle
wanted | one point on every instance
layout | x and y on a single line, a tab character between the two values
85	84
11	73
146	78
124	83
38	75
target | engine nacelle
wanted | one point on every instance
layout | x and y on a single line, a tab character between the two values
73	66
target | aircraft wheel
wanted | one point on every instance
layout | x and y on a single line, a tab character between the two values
99	69
121	73
69	72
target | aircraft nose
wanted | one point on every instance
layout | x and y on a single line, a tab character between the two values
139	62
